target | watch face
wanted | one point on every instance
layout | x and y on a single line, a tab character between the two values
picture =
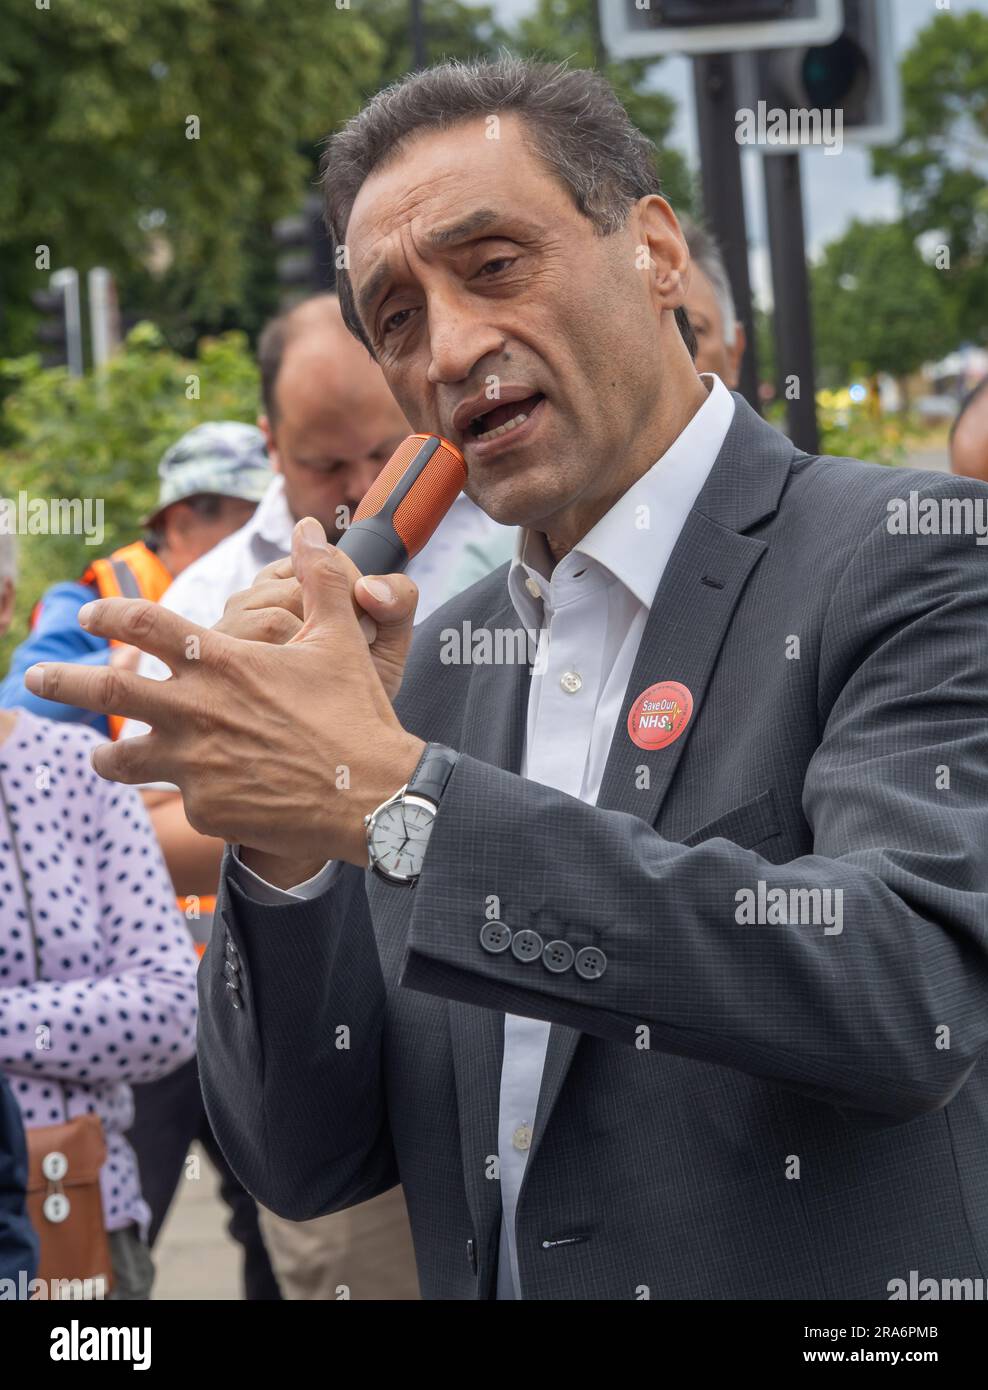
399	837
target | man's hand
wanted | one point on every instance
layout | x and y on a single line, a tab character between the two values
283	748
125	658
271	611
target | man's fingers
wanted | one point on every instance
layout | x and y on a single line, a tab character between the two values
275	593
107	690
274	625
326	575
278	569
131	760
331	582
390	599
126	658
146	625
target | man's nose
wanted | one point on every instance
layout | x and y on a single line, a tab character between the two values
359	478
460	335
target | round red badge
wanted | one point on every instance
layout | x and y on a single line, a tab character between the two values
659	715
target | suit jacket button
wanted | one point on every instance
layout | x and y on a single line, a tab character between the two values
557	956
231	972
232	954
590	963
526	945
234	996
495	937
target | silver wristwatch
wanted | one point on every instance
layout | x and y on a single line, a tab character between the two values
398	832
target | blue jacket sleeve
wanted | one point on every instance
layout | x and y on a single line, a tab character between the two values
57	636
18	1241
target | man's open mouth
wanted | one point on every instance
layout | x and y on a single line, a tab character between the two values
504	418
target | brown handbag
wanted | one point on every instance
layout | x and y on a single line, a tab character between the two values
65	1204
64	1200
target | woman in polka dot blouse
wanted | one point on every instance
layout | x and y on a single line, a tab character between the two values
116	998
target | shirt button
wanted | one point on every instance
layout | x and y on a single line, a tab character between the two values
571	682
522	1138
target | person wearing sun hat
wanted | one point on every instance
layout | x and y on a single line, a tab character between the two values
211	480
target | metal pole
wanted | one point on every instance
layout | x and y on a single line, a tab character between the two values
420	56
723	196
68	282
596	38
104	316
791	291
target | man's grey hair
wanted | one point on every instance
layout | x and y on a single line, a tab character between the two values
706	255
8	558
575	123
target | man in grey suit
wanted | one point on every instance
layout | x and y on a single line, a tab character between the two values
669	975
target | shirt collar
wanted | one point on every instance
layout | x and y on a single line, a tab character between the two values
272	521
632	542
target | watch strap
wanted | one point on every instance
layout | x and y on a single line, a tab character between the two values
433	771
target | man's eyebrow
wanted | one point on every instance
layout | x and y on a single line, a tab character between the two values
474	222
374	286
478	221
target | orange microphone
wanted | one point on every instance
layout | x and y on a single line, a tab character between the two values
404	505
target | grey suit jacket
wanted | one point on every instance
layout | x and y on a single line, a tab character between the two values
729	1110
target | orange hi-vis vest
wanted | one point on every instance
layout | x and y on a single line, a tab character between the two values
134	571
131	572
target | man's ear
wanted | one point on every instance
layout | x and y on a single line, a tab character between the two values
662	251
264	425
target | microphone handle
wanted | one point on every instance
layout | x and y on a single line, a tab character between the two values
374	545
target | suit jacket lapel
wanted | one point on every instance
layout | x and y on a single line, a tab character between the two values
687	624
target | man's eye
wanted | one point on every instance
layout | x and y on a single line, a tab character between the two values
500	261
395	320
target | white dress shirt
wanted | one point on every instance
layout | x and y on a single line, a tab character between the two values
591	610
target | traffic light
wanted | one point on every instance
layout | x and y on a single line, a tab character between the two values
854	74
50	305
654	28
59	327
304	262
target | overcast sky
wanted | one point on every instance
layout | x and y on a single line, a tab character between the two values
835	190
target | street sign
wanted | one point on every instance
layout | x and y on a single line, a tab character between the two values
654	28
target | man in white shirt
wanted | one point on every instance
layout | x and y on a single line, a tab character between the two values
460	892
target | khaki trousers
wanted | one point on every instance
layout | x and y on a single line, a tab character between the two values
364	1252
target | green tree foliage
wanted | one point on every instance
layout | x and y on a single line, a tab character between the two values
101	437
98	102
877	305
941	161
453	29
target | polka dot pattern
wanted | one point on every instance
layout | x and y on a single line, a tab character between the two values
116	1001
